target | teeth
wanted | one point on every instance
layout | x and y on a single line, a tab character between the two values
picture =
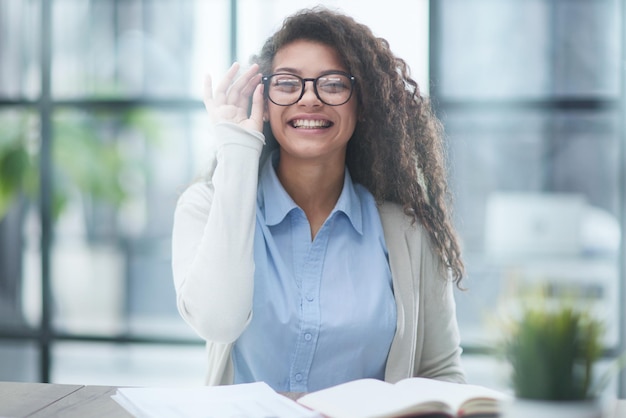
310	124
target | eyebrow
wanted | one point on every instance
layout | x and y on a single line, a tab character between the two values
286	70
298	72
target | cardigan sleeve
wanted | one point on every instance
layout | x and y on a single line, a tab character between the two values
213	237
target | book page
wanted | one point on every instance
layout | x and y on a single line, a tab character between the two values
253	400
461	397
369	398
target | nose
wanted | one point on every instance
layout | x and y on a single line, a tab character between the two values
309	97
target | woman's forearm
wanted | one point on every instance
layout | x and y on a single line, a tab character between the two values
213	238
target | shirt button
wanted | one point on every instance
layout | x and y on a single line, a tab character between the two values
310	298
298	377
307	336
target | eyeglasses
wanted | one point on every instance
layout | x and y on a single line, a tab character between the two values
333	89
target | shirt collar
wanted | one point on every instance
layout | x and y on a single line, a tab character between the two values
271	190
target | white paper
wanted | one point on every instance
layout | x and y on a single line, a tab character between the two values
251	400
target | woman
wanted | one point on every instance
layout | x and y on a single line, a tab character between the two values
328	258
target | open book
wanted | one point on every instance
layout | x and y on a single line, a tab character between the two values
250	400
369	398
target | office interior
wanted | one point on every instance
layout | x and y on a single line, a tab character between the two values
102	126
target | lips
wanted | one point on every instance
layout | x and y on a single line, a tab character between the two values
310	123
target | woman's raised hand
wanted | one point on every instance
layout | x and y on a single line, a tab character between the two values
231	99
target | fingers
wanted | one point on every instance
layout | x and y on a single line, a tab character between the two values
240	91
222	90
208	94
256	113
230	100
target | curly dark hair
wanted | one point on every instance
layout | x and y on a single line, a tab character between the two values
396	150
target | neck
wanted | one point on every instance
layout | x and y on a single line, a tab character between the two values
314	186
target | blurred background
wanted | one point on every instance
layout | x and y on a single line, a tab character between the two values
102	126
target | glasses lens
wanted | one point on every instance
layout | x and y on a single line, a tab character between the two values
284	89
334	89
287	89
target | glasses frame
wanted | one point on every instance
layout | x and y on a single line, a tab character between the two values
266	79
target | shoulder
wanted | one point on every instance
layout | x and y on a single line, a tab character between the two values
396	221
391	210
407	239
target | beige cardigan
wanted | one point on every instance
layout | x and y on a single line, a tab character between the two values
216	299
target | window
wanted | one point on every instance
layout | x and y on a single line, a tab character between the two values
530	95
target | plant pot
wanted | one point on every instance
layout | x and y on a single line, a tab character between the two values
525	408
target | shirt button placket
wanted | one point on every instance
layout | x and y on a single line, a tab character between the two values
310	288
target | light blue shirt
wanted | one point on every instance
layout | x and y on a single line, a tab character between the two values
323	311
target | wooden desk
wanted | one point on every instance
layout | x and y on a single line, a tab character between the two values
39	400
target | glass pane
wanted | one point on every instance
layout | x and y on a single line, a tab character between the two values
407	32
491	151
537	198
136	47
128	365
20	73
19	361
20	259
528	49
117	178
585	151
586	58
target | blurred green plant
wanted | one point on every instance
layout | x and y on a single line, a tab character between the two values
552	352
84	160
17	167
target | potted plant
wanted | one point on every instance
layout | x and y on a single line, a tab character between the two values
88	162
552	349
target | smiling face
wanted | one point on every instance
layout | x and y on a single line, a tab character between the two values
310	129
